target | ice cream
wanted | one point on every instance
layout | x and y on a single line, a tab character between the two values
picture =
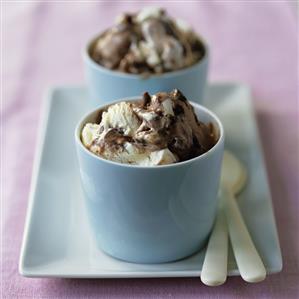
147	42
159	129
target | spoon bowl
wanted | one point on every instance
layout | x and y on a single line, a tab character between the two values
233	174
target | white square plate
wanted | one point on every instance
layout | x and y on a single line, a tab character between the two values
56	240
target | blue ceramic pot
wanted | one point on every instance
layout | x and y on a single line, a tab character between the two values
106	85
151	214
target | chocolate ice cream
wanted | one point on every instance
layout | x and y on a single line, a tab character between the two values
160	129
147	42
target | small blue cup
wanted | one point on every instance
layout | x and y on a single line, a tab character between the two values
151	214
107	85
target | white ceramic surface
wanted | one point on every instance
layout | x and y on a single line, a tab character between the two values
57	241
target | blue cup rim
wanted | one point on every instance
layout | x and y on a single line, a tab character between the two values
214	117
98	67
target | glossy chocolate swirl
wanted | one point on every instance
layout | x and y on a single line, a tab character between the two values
159	129
147	42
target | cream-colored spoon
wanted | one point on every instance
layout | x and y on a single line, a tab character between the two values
233	178
214	268
214	271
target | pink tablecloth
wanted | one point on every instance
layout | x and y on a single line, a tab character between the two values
253	42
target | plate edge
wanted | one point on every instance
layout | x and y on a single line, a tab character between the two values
263	161
45	111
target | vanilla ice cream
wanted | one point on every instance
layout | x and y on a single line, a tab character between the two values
146	42
160	129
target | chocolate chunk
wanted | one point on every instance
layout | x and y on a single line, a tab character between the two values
145	129
178	109
176	144
197	46
177	94
169	28
128	19
195	142
146	99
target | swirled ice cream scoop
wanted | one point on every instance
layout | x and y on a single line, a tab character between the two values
147	42
159	129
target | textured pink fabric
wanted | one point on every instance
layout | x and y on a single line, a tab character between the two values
253	42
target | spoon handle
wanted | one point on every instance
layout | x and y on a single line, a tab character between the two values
248	260
214	269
